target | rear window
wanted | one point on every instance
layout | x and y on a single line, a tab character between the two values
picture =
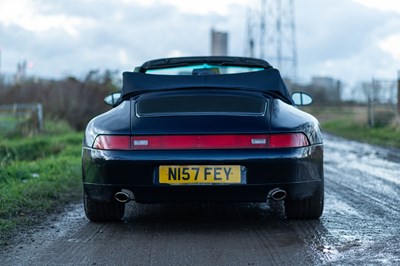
204	69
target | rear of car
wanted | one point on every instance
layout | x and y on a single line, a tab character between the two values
197	140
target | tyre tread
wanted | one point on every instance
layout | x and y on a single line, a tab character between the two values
98	211
310	208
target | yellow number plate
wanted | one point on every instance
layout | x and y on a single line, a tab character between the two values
200	174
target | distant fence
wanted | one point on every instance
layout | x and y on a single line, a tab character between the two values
382	101
21	119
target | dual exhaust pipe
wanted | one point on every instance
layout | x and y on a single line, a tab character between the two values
125	195
277	194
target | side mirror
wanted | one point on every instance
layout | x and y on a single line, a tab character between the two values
112	98
301	98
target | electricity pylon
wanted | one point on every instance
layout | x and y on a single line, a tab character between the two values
271	34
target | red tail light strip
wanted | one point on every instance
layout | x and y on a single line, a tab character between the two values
186	142
200	142
108	142
288	140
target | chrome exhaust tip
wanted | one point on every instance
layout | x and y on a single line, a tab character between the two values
124	196
277	194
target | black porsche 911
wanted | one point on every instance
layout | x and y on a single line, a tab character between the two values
203	129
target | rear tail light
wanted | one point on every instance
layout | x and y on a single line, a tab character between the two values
193	142
288	140
200	142
109	142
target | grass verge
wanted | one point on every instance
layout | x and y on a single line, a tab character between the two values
351	122
388	136
38	175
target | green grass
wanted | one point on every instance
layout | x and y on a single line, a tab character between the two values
388	136
38	175
351	122
8	123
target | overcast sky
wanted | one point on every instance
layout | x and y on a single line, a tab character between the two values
351	40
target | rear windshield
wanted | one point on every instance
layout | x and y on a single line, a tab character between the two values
204	69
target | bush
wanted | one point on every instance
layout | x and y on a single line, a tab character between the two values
72	100
383	118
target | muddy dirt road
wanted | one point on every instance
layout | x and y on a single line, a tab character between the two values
360	225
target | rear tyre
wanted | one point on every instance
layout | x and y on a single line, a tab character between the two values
310	208
99	211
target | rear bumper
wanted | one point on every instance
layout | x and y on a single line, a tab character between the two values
299	171
244	193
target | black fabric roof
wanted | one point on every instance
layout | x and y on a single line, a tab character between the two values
267	80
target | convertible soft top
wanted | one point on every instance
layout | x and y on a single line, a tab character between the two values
267	80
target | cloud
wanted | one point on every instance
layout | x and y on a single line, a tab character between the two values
116	36
123	57
25	14
203	7
382	5
344	39
391	45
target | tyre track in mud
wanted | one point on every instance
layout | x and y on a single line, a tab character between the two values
362	198
366	182
366	201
